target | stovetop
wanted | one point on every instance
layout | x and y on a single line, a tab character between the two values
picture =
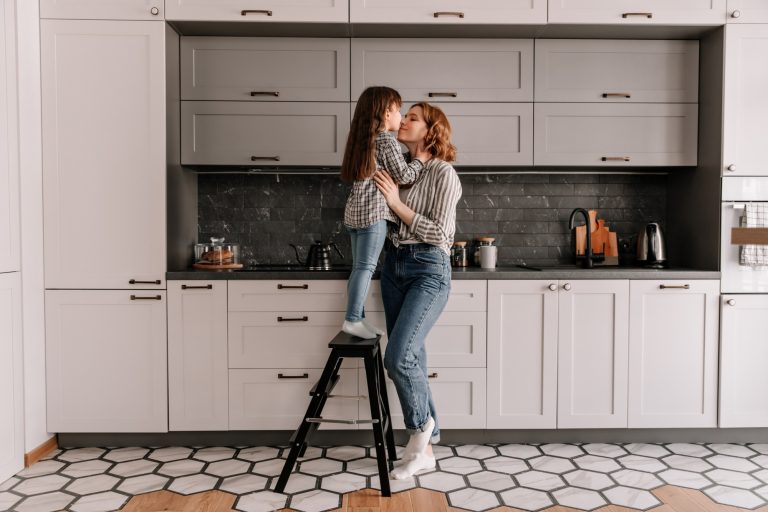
291	267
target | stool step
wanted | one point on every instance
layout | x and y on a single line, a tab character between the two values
344	422
344	340
329	388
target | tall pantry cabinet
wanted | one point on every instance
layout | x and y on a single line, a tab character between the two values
104	119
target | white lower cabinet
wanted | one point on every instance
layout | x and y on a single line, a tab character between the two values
197	355
673	354
11	377
106	356
743	359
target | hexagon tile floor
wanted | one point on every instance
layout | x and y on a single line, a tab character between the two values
473	477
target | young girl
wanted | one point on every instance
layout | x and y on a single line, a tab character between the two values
371	146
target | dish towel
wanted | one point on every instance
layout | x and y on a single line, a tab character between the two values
755	216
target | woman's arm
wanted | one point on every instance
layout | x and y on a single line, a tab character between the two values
389	190
437	225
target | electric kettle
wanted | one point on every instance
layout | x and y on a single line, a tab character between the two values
318	255
651	251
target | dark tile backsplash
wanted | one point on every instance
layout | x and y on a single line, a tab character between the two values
527	213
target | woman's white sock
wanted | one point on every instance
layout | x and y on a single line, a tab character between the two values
372	328
419	462
357	329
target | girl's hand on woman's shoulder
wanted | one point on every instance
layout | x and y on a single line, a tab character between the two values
387	187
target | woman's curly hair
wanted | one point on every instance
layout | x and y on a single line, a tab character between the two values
438	138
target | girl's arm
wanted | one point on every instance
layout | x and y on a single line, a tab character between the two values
393	161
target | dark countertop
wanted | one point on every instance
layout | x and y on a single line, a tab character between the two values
508	273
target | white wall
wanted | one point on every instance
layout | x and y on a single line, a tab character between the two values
30	152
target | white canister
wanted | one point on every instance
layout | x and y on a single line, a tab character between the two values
487	256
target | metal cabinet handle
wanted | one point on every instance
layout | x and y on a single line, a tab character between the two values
154	11
448	13
553	287
674	286
265	93
736	14
648	15
302	376
134	281
300	319
293	287
274	158
731	168
567	287
616	95
138	297
432	375
246	12
442	94
204	287
615	159
731	302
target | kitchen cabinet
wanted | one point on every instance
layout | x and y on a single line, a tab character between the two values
198	375
103	127
593	332
616	71
264	69
9	143
292	295
673	349
445	70
522	354
11	377
102	9
744	101
106	355
264	11
452	12
263	134
743	356
747	11
638	12
650	134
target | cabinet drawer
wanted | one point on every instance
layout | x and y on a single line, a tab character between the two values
461	12
262	400
608	71
263	11
282	339
264	69
288	295
465	295
426	69
638	12
102	9
615	135
263	134
459	395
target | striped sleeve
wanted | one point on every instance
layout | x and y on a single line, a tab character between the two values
437	226
390	158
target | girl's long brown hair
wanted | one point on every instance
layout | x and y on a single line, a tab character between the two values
359	156
438	138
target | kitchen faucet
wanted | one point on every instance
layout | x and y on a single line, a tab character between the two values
588	254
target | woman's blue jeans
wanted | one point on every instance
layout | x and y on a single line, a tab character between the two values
367	243
415	283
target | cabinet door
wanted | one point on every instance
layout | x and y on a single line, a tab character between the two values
522	354
638	12
264	69
197	356
278	399
102	9
103	107
592	354
9	142
263	134
615	135
673	331
11	377
747	11
452	12
428	69
258	10
743	357
106	361
744	101
617	71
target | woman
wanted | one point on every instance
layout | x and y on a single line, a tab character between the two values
416	276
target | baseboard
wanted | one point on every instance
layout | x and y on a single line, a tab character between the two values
41	451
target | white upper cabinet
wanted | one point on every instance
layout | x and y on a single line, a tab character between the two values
637	12
649	134
747	11
448	11
673	332
745	103
258	10
617	71
445	70
102	9
103	108
9	138
263	134
264	69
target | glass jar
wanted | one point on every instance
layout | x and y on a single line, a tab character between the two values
459	254
217	254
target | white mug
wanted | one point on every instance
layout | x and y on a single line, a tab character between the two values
487	256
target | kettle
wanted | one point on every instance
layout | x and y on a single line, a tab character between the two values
651	250
318	255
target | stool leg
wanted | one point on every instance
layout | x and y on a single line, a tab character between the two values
378	424
388	433
313	411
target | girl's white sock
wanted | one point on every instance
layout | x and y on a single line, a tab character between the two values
419	462
357	329
372	328
418	442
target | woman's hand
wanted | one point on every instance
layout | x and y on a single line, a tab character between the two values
387	187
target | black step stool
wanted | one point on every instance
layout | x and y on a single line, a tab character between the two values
346	345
